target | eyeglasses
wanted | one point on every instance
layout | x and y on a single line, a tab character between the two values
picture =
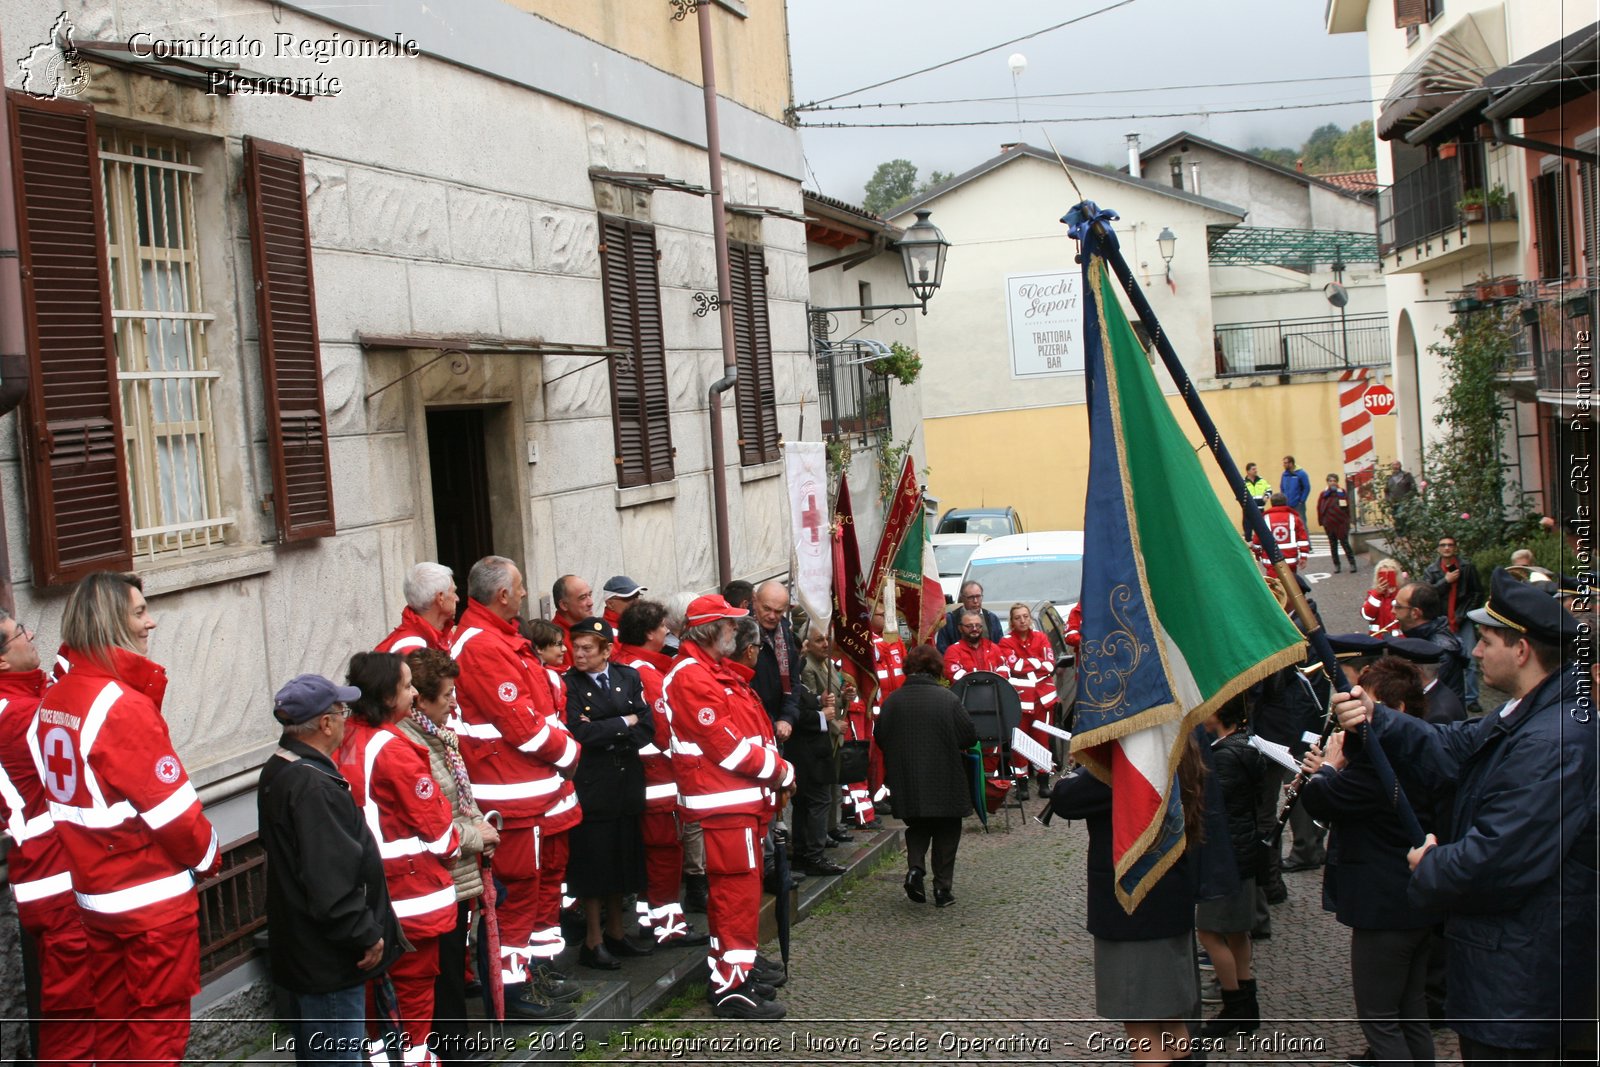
339	708
23	630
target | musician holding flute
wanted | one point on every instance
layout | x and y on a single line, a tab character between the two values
1516	875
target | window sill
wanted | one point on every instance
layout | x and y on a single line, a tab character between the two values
208	568
757	472
635	495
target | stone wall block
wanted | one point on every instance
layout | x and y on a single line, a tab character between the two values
344	389
328	202
688	260
566	242
551	307
695	538
447	299
403	216
356	293
579	393
489	229
648	555
616	145
218	677
765	512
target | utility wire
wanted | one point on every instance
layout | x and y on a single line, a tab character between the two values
969	55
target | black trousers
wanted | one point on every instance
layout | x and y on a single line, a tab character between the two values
1388	973
449	989
812	756
1333	547
945	835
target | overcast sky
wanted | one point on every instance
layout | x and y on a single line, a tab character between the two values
841	45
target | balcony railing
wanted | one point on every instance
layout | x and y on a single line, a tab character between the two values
1556	339
1426	202
854	400
1302	346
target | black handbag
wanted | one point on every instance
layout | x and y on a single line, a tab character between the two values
853	759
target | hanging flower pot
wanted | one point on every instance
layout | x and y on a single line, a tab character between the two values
1447	151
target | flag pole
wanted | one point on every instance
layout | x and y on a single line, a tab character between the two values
1091	221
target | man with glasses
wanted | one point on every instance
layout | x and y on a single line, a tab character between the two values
971	600
333	929
39	874
1456	581
1419	614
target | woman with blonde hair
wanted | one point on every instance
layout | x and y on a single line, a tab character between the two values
1378	609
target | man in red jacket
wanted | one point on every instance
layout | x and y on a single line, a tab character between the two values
1288	529
728	765
39	876
889	662
129	821
521	759
974	652
574	601
430	612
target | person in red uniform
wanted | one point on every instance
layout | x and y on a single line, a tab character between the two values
728	764
521	759
1378	608
1031	663
128	819
1288	529
974	652
889	664
37	864
392	783
643	639
429	616
574	601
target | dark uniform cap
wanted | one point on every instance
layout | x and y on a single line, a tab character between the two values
1356	646
1575	585
1414	649
306	696
594	628
1525	609
623	586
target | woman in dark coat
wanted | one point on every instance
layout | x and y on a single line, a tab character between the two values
923	730
607	713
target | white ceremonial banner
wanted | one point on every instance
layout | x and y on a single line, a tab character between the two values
805	466
1045	313
1032	751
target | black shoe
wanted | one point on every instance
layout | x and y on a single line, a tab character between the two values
1277	894
764	990
875	824
598	958
622	948
695	888
840	837
824	867
533	1006
688	939
881	808
1336	570
914	888
1293	868
554	985
743	1002
942	898
769	976
1261	933
1043	782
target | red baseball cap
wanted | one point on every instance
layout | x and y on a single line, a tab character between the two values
710	608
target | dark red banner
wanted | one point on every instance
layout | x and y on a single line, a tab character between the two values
852	611
903	507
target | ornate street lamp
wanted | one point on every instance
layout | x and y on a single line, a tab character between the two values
922	252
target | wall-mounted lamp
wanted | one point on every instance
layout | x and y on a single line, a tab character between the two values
1167	242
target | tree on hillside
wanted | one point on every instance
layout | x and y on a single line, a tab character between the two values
1329	150
895	182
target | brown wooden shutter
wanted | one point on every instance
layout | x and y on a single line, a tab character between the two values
78	506
1552	227
291	361
640	416
755	395
1410	13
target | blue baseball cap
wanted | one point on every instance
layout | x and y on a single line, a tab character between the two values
306	696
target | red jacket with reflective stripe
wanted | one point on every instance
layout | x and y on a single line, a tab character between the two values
1294	541
126	813
37	863
512	738
722	746
391	783
1032	664
660	780
889	663
414	632
961	659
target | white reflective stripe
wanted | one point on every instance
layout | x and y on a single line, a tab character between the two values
657	792
957	672
407	642
26	831
211	853
39	888
15	824
534	743
138	896
700	801
737	956
92	722
478	732
768	764
418	1054
181	800
377	1053
750	848
562	806
570	755
461	642
538	787
738	754
650	750
882	792
410	907
1026	705
96	818
685	748
441	846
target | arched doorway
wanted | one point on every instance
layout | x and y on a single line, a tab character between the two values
1408	394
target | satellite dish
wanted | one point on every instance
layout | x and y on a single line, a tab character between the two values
1018	63
1336	294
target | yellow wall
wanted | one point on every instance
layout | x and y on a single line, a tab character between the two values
752	53
1037	459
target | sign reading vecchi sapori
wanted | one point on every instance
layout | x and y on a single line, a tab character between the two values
1045	313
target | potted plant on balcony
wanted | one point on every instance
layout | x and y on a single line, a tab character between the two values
902	363
1505	287
1471	205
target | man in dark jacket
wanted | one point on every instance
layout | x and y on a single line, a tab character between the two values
971	600
1418	613
799	724
1460	591
1515	875
329	923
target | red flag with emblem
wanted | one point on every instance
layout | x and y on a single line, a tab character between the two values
903	507
852	608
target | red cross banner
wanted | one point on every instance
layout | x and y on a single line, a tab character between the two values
806	469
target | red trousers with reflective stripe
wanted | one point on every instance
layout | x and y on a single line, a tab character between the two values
66	988
413	974
733	910
663	857
532	870
145	980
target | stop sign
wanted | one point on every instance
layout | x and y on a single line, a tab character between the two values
1378	400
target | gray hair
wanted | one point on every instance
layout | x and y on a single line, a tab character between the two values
970	584
426	581
968	613
704	635
746	632
677	606
488	577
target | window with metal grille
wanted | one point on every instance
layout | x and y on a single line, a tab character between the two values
233	907
164	374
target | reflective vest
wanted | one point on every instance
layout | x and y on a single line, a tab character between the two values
961	659
37	863
889	663
1032	665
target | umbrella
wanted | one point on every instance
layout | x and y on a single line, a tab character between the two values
975	780
780	903
494	990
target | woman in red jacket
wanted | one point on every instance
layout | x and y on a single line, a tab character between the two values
392	784
1378	608
1033	666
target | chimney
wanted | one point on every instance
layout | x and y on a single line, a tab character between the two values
1133	156
1008	146
1300	165
1194	177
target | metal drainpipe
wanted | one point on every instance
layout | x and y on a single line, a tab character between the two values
1502	133
719	233
13	337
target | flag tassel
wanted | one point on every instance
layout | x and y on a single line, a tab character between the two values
1098	233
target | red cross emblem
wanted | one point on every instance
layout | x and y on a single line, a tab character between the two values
811	518
60	765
